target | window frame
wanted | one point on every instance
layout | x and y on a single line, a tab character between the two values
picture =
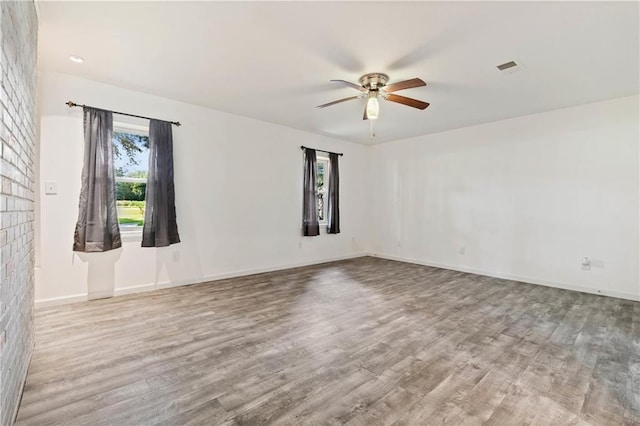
325	210
134	129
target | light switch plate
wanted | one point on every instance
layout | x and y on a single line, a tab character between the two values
50	187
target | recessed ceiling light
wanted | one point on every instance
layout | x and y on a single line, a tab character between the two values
76	59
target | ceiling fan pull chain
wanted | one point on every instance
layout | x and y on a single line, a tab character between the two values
373	133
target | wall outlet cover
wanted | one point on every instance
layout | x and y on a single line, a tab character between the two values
50	187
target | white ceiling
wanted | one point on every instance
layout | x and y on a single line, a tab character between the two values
273	61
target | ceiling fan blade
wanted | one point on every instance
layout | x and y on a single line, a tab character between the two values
407	101
401	85
337	102
353	85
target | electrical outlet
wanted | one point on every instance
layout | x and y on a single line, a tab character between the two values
175	256
586	264
462	250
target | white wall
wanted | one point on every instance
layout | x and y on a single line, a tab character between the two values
527	198
238	197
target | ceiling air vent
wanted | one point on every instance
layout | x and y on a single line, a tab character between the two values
507	65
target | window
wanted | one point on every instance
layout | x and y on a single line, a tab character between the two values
322	178
131	161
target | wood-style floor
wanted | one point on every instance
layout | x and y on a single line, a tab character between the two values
360	342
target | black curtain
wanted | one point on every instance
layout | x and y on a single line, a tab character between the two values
97	228
310	225
333	206
160	225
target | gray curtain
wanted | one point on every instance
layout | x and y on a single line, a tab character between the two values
160	226
97	228
333	206
310	225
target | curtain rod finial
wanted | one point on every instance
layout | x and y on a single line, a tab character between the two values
71	104
178	124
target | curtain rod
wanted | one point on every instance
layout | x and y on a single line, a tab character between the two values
73	104
322	150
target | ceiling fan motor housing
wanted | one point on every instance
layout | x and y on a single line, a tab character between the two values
374	81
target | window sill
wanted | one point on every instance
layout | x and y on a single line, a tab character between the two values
130	236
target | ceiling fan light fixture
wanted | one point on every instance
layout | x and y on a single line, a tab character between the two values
373	86
373	107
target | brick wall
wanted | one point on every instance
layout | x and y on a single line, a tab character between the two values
18	36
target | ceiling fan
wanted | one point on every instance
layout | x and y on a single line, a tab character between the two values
373	86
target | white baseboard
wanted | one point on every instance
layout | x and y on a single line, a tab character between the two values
103	294
241	273
64	300
246	272
169	284
134	289
511	277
